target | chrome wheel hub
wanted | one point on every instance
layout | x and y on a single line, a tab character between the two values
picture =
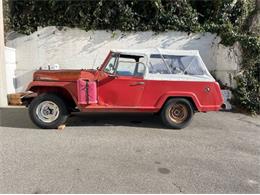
178	113
47	111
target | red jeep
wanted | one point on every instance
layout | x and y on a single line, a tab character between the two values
174	83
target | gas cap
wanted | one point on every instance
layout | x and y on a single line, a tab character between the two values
207	89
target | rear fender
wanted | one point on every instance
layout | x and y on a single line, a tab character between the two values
182	94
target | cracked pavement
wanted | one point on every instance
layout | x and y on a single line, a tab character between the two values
130	153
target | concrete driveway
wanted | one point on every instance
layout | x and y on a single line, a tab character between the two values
117	153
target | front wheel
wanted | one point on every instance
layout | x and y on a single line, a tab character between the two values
48	111
177	113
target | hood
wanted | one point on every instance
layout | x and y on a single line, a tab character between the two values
63	75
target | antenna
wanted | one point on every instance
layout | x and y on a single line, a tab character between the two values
94	62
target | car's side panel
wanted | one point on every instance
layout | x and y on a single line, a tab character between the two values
150	97
120	91
206	95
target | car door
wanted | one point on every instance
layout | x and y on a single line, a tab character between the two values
123	84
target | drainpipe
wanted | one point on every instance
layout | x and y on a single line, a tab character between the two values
3	84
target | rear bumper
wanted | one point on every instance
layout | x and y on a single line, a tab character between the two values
211	108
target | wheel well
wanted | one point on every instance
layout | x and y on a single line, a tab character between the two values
184	97
59	91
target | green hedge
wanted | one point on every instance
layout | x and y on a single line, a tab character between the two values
228	20
133	15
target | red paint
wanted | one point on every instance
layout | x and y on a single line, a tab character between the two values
125	93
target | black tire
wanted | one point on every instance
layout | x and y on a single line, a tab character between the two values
60	118
176	109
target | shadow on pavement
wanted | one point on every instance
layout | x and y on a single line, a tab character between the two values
15	117
19	118
116	119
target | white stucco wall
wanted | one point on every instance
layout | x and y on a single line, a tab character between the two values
75	48
10	68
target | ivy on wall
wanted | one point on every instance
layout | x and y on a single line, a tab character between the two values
230	19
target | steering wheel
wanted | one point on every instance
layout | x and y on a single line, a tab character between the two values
111	68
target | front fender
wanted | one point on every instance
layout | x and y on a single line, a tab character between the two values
50	86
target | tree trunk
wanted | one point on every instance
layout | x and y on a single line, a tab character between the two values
257	4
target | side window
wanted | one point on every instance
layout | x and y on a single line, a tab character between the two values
157	66
140	69
177	63
126	67
188	65
111	65
129	65
193	68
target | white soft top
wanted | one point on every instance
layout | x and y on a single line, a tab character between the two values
157	51
195	70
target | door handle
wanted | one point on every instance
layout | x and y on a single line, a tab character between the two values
136	83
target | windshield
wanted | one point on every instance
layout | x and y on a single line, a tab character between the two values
111	65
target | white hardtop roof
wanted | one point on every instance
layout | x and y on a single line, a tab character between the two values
157	51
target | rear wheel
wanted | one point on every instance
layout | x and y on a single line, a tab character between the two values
48	111
177	113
